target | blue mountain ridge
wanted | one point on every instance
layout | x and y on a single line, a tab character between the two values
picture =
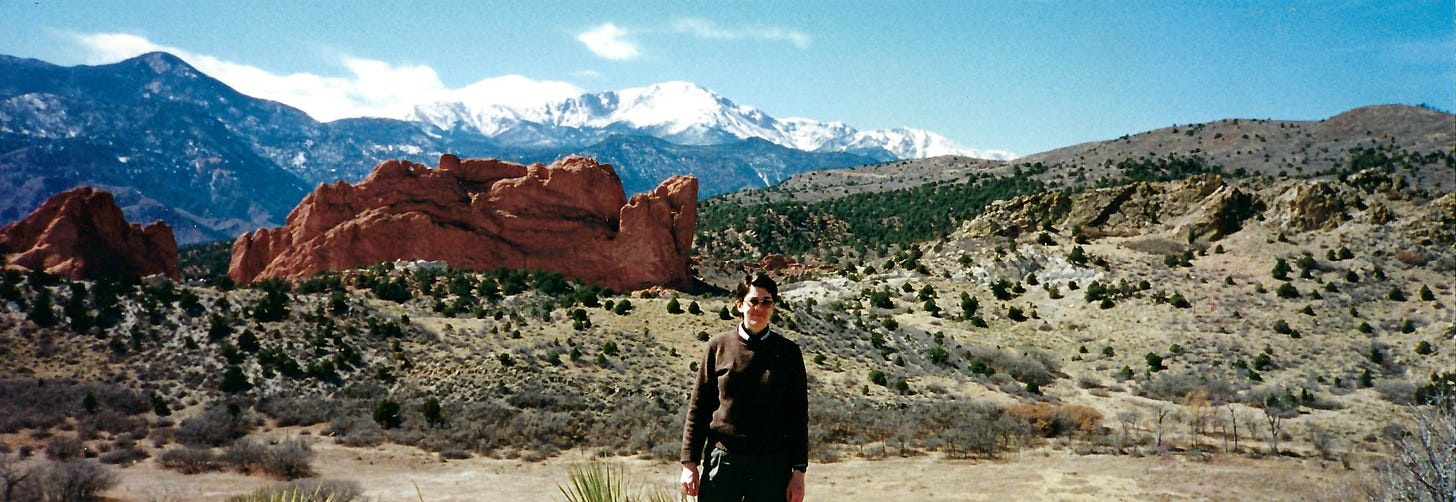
175	144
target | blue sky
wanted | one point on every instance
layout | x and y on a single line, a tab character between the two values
1023	76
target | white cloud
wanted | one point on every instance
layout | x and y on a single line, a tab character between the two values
610	41
705	29
373	88
514	91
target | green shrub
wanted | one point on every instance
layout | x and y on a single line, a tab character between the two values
1425	348
1179	301
595	481
1281	269
234	381
1155	362
386	414
432	412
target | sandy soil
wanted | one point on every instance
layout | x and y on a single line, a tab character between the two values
392	472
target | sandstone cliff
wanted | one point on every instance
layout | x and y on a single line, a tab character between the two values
571	217
81	234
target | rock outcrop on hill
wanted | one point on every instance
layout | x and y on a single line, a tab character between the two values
571	217
1205	207
81	234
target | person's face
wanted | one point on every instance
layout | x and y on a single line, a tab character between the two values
756	307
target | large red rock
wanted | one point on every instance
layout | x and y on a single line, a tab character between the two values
81	234
571	217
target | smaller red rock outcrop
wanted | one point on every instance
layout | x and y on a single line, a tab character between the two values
81	234
571	218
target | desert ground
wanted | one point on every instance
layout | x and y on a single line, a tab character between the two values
392	472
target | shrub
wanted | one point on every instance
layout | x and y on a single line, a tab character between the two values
127	455
1053	420
877	377
1179	301
301	410
287	459
63	448
901	386
1395	294
937	355
1281	269
234	381
189	460
1155	362
432	412
1177	385
215	426
1424	348
1287	290
595	481
386	413
305	490
355	430
76	480
1034	365
1427	294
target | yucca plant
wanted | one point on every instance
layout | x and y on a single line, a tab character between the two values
595	481
303	491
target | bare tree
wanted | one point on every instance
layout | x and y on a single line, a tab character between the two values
1274	415
1422	464
1128	419
1164	413
1198	405
1234	422
11	475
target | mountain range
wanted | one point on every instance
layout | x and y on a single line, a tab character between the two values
681	113
175	144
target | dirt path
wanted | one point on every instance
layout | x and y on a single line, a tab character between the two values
396	473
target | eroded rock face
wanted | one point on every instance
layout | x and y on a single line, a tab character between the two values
1315	205
81	234
571	217
1203	207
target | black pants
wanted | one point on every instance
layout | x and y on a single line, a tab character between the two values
741	477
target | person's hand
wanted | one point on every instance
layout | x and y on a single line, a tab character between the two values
689	480
796	487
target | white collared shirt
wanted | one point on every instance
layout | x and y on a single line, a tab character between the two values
743	333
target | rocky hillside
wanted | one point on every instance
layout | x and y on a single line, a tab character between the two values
1198	315
1418	142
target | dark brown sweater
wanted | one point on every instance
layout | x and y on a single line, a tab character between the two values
750	396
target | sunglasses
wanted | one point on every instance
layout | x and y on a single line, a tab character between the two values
761	302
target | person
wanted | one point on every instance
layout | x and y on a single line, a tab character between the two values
748	413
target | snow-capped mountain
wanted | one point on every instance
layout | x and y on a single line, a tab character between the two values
682	113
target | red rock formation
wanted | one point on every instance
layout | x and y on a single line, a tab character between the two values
81	234
571	218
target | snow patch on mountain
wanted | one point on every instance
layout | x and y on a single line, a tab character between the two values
679	112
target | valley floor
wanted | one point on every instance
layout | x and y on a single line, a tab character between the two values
398	473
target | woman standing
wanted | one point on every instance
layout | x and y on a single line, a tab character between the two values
748	409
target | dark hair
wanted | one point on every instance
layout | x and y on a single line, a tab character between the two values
759	279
